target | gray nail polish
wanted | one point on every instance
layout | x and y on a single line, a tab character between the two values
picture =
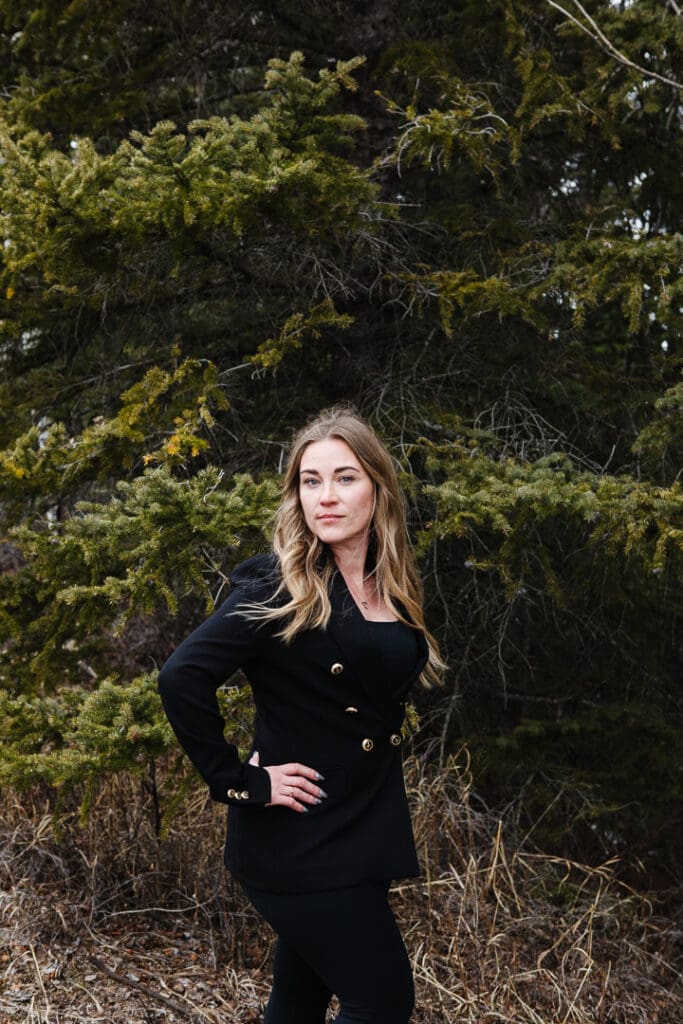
319	777
323	793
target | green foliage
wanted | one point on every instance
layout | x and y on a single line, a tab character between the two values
157	540
296	329
660	443
617	516
585	774
466	123
168	222
642	275
71	741
74	741
463	295
166	411
159	534
73	219
474	233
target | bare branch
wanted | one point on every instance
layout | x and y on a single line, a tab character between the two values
593	30
172	1004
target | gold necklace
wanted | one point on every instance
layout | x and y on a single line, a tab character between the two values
354	595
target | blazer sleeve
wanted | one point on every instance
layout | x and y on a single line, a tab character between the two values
188	682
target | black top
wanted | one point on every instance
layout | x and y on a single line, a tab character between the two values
397	647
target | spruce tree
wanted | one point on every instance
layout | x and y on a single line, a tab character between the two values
464	217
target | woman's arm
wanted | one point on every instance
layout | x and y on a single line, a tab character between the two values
188	682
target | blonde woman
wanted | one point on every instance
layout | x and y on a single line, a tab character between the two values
329	631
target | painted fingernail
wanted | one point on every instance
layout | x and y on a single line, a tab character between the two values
318	801
319	777
305	809
323	793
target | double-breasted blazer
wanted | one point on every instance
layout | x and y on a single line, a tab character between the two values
321	701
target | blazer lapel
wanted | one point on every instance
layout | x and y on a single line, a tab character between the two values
349	630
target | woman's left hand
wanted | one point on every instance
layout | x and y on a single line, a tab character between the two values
292	785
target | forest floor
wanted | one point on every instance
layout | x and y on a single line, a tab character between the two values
104	923
137	975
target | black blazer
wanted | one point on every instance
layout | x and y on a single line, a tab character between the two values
321	701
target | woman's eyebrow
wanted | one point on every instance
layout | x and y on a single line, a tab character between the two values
339	469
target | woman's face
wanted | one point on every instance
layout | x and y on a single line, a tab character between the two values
336	494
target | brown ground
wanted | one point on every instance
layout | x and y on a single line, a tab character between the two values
106	923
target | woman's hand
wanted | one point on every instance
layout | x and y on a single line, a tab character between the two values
292	785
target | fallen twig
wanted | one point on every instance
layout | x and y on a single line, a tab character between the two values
138	987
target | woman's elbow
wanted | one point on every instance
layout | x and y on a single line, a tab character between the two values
167	679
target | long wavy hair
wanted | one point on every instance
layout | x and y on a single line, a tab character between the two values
306	567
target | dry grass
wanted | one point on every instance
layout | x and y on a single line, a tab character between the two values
510	934
106	923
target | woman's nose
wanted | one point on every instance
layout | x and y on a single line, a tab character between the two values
327	493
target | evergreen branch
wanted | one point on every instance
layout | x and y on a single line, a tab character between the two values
594	32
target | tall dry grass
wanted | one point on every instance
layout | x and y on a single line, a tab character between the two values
105	922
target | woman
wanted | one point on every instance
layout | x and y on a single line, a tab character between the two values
329	631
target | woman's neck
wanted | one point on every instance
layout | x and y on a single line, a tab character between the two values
362	586
351	559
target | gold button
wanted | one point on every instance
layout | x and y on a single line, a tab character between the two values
231	794
244	795
337	669
395	739
367	744
351	710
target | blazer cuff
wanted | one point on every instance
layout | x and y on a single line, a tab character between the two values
256	791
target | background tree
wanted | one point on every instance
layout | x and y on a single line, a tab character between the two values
473	233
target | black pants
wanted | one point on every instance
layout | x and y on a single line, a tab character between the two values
341	941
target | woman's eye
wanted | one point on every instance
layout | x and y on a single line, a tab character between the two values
309	481
347	479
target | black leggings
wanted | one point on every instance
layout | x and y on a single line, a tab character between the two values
341	941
